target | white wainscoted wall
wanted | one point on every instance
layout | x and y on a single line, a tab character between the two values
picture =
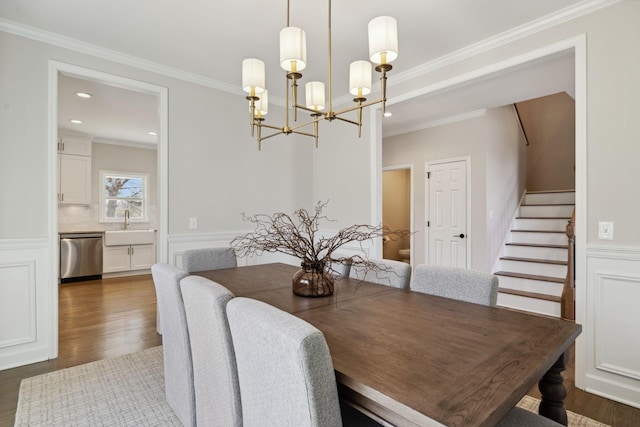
26	297
611	326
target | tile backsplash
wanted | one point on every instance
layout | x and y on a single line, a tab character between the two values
86	218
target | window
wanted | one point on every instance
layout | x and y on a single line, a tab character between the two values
121	192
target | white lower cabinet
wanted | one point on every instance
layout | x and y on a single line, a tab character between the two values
128	258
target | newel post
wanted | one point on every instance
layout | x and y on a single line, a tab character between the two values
567	308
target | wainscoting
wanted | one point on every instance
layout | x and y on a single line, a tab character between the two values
611	323
26	298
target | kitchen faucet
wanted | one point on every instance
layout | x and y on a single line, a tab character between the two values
126	218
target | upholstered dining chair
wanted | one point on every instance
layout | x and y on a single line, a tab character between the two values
456	283
285	370
194	260
215	375
176	348
393	273
519	417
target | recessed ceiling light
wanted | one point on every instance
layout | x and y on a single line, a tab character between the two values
152	133
388	114
75	121
83	94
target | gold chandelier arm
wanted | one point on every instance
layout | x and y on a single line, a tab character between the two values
347	120
367	104
314	120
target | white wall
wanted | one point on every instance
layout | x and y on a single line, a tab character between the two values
215	174
199	139
505	179
491	142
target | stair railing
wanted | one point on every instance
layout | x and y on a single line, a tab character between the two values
567	305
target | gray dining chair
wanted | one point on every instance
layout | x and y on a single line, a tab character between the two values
194	260
215	375
519	417
340	270
284	368
391	273
456	283
176	348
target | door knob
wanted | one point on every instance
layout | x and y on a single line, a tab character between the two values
459	235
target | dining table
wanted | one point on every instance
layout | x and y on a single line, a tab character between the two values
412	359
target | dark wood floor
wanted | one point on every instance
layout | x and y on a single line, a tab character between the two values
112	317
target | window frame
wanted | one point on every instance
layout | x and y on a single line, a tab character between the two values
144	199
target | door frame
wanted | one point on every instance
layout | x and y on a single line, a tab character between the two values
578	46
408	166
427	166
55	68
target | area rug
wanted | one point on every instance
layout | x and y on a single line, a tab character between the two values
125	391
121	391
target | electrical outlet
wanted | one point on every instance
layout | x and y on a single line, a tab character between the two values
193	223
605	230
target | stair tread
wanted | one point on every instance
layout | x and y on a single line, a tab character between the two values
538	260
530	294
537	231
551	191
544	217
539	245
530	276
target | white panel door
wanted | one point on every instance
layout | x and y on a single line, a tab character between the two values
447	213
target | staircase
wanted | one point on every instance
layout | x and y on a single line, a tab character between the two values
533	265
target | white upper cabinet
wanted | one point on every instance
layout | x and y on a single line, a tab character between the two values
74	187
74	169
74	144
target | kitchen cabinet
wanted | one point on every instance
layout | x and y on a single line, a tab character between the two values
78	145
74	169
128	258
74	186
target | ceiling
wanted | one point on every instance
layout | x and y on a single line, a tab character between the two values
209	39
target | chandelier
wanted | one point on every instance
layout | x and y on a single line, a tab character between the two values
383	49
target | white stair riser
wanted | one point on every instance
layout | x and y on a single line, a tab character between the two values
546	210
528	285
539	269
532	305
541	224
550	198
539	238
536	252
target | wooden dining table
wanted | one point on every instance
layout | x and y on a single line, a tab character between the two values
413	359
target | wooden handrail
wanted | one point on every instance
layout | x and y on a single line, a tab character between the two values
568	303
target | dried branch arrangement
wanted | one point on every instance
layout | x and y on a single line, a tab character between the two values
298	235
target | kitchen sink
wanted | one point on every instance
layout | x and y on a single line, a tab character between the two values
129	237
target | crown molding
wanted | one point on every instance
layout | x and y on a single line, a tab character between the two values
516	33
439	122
115	56
567	14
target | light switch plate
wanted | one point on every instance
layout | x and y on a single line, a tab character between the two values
193	223
605	230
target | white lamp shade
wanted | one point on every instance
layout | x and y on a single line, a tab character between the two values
383	38
253	75
360	77
314	92
262	104
293	49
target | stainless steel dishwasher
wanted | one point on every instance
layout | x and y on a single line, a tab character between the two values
80	256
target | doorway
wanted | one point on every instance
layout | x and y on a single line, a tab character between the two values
397	211
56	70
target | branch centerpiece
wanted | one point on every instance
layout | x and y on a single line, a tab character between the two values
298	235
